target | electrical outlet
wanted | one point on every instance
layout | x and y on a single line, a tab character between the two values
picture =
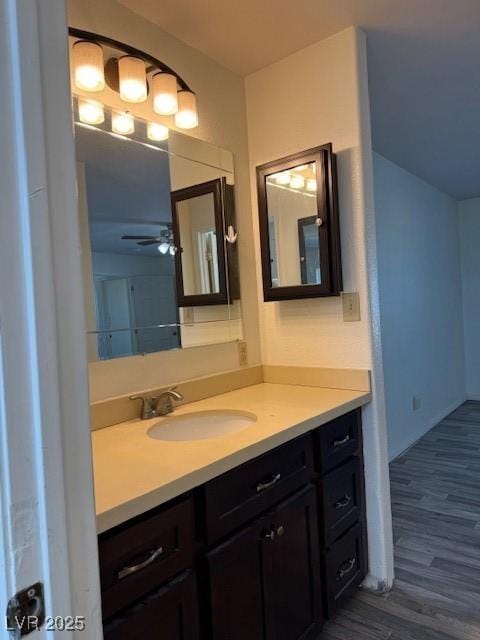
416	403
351	307
242	353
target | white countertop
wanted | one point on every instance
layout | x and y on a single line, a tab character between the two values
134	473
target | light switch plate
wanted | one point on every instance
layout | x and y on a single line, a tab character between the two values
242	353
351	306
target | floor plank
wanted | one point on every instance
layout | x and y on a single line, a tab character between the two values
436	519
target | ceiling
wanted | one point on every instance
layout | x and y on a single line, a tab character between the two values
424	66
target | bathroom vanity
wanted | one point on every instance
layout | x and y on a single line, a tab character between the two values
267	549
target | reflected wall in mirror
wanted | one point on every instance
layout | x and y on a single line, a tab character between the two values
129	244
299	228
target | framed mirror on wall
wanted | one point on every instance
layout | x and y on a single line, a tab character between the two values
299	226
131	242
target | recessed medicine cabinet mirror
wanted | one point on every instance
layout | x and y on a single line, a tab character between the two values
135	247
299	226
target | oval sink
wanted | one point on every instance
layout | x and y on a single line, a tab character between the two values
201	425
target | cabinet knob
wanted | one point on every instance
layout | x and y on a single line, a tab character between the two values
280	531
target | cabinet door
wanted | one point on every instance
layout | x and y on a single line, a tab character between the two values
292	582
167	614
235	571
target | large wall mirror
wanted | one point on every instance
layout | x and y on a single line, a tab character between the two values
138	300
299	226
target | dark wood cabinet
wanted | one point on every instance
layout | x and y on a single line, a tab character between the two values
264	551
265	581
170	613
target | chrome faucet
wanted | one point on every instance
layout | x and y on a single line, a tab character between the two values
160	405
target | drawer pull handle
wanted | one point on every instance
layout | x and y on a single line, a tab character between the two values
340	443
127	571
343	502
345	568
261	486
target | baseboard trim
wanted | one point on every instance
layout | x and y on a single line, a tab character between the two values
430	424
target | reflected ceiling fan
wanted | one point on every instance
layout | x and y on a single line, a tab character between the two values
164	241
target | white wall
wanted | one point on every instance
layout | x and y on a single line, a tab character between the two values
420	302
222	113
469	220
315	96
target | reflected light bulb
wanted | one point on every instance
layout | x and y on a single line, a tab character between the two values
122	123
156	131
311	184
90	112
163	248
283	178
172	250
297	182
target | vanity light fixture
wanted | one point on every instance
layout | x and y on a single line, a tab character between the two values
163	248
132	78
165	100
186	116
311	184
90	111
131	73
157	132
297	182
87	61
122	123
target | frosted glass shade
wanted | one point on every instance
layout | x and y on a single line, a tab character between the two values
87	61
122	123
132	79
164	86
297	182
311	184
186	116
156	131
90	112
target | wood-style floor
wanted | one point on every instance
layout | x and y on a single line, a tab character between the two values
436	516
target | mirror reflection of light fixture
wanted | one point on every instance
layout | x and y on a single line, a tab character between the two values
297	182
87	61
186	116
122	123
311	184
165	101
90	112
282	178
164	247
156	131
132	79
172	250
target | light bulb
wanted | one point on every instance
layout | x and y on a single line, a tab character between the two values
132	79
87	61
311	184
165	101
90	112
156	131
122	123
297	182
163	248
283	178
186	116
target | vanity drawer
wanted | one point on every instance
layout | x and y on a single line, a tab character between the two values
137	559
345	567
337	441
169	613
239	495
341	500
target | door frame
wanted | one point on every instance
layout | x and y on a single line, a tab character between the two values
48	531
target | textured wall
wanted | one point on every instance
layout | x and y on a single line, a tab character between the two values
319	95
469	220
420	302
222	114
